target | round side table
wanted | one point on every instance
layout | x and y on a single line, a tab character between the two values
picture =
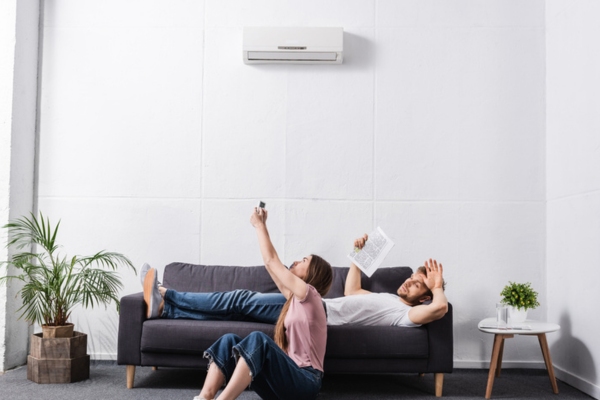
536	328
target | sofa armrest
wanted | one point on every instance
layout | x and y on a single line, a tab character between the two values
441	344
131	320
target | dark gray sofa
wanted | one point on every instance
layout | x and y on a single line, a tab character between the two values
350	349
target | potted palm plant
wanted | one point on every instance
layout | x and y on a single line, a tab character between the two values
53	284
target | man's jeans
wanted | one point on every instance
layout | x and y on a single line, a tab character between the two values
274	374
237	305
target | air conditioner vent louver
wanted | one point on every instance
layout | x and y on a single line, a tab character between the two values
291	47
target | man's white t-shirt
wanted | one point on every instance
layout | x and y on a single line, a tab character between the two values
372	309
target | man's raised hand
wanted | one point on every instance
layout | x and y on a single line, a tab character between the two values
360	242
434	277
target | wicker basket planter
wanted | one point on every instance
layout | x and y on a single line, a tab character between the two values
58	360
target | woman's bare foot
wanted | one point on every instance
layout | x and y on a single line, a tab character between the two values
162	292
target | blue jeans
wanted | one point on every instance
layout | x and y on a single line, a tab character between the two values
274	374
237	305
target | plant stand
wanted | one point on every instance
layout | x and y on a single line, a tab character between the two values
58	360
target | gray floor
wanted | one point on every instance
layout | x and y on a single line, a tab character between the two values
107	381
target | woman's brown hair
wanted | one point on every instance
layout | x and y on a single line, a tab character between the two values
319	276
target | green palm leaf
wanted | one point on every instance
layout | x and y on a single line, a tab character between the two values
53	283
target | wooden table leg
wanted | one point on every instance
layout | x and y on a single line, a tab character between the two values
548	361
496	361
499	365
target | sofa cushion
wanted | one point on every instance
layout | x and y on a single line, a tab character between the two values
184	336
181	336
376	342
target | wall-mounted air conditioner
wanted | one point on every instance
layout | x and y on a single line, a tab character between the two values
299	45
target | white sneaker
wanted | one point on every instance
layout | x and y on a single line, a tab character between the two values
152	295
145	268
143	271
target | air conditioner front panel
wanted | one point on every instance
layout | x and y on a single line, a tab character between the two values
291	56
313	45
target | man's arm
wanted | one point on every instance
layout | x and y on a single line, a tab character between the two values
426	313
353	285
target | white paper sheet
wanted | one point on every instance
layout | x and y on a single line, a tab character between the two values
370	257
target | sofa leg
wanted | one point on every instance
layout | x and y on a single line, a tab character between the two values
154	368
130	376
439	383
421	374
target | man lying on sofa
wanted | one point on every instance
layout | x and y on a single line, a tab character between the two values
420	300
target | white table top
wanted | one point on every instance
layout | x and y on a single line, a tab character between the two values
488	325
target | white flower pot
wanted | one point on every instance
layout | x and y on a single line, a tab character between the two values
517	316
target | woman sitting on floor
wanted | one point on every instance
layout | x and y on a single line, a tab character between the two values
289	367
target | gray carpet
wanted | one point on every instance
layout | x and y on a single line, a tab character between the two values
107	381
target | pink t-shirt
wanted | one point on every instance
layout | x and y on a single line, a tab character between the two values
306	330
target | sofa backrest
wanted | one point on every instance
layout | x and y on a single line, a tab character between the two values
384	280
209	278
216	278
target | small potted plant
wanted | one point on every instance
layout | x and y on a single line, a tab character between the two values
521	297
53	285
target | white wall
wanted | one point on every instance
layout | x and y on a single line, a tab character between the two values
19	21
573	189
156	141
8	11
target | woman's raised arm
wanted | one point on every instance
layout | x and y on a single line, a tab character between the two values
287	282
